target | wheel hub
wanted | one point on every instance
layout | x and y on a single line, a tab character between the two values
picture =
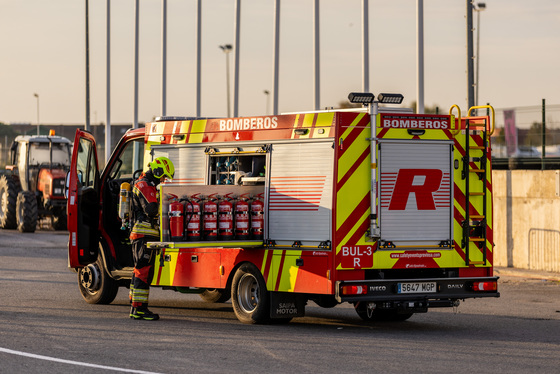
90	278
248	293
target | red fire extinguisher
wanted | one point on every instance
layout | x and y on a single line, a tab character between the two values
242	218
176	218
257	218
192	218
210	218
225	218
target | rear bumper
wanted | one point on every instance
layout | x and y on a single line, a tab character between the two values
382	290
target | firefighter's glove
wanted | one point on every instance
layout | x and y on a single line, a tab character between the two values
152	209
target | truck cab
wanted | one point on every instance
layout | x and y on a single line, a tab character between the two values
104	259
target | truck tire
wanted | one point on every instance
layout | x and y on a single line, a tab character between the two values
250	297
380	315
8	200
96	286
216	295
26	211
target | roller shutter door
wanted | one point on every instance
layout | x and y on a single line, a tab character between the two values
300	199
415	197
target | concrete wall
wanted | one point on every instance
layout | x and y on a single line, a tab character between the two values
527	219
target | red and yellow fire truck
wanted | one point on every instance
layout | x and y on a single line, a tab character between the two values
385	209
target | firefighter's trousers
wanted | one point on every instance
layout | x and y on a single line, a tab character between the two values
144	259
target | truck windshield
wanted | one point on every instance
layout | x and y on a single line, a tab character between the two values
39	153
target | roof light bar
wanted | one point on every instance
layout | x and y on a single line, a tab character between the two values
361	97
172	118
389	98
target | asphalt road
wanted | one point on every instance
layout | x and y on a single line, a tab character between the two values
46	327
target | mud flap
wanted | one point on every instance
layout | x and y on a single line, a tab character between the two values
286	304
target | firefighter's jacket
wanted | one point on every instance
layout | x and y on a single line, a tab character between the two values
145	207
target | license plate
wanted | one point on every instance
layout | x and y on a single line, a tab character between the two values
417	287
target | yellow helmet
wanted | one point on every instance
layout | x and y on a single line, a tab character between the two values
162	166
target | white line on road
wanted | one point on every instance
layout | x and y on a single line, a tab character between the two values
47	358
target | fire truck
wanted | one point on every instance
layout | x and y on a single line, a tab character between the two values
382	208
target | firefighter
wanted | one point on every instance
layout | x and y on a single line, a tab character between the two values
145	211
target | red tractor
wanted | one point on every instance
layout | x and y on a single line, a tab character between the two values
33	186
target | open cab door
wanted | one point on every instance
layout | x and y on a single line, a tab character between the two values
83	202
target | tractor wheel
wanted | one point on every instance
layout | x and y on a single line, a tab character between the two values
26	211
8	199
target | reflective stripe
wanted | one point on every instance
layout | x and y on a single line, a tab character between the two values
140	296
144	228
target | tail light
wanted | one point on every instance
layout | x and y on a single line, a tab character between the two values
485	286
354	290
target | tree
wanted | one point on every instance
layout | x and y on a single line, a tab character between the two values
499	136
7	136
7	130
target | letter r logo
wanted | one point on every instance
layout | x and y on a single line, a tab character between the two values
422	182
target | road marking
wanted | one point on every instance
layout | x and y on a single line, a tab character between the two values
47	358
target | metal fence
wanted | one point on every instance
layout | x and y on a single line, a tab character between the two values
519	132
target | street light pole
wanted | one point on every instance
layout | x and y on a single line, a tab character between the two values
108	147
420	56
275	59
198	54
227	49
480	7
470	64
316	56
163	57
37	96
365	46
136	47
88	126
236	43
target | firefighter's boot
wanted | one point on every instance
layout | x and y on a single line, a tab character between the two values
142	312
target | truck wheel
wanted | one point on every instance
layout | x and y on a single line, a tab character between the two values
216	295
95	284
249	295
379	314
26	211
8	199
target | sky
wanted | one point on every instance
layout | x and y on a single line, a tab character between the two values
42	46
